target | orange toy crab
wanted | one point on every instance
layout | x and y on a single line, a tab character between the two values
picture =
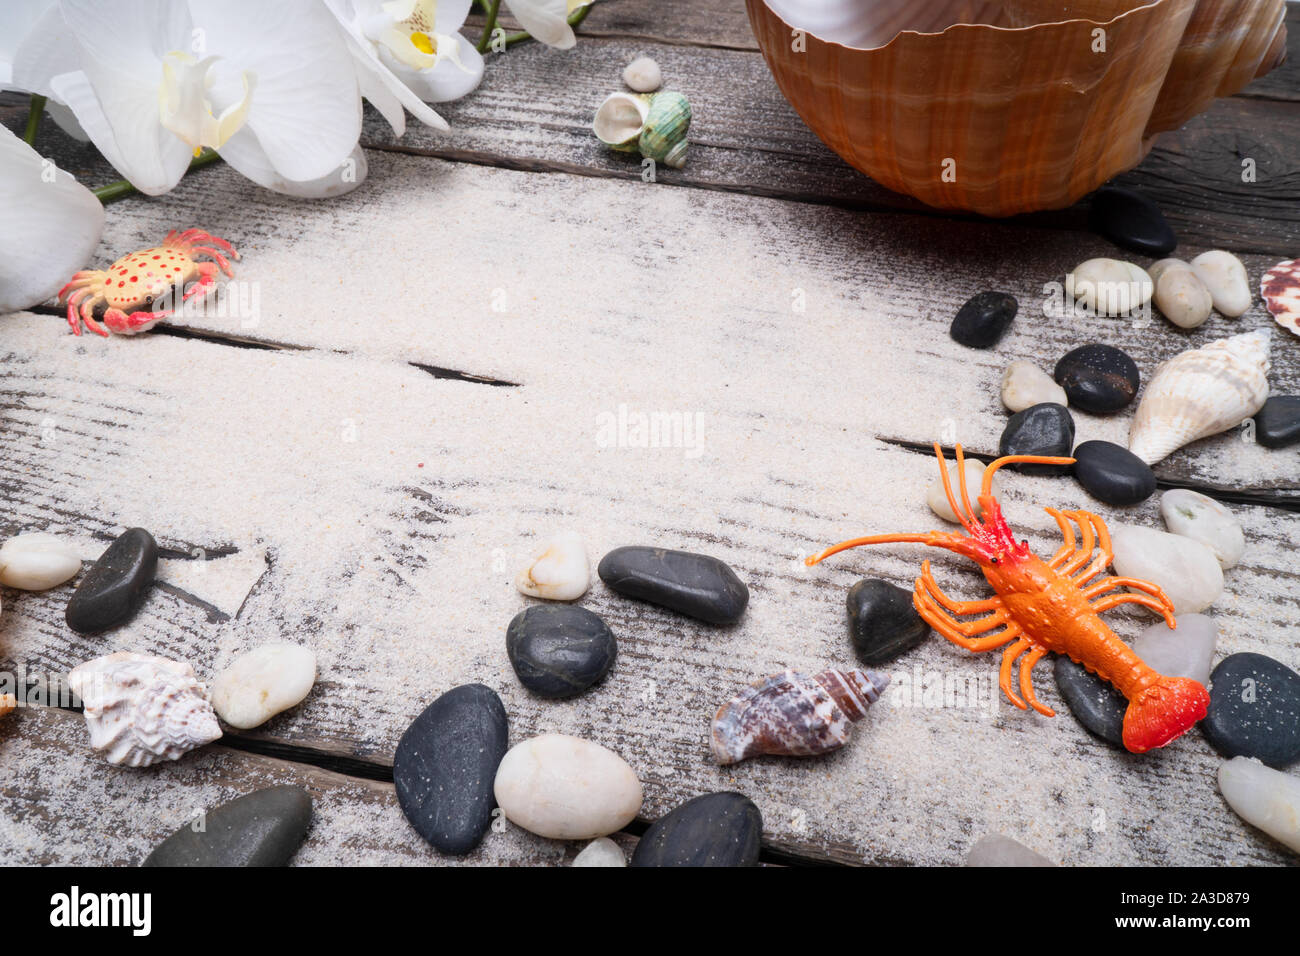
1049	606
134	282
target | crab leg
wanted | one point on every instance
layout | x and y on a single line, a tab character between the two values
207	279
221	260
124	324
1026	681
79	280
88	316
73	301
1004	675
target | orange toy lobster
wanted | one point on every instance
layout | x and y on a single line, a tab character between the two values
1048	606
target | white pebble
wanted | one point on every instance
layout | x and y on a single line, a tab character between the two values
1181	296
995	849
1226	278
260	684
602	852
1263	797
643	75
1186	651
566	788
1186	570
1110	286
36	561
1024	384
559	571
1201	518
938	501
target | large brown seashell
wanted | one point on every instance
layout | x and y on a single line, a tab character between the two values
1004	107
794	715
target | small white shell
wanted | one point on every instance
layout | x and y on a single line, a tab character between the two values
1201	393
559	571
1225	277
620	119
142	709
36	561
643	75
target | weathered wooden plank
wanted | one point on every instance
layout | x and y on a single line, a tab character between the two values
62	804
399	576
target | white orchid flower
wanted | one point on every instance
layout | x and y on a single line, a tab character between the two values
50	228
547	20
410	49
28	60
269	86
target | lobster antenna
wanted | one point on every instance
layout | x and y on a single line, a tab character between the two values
947	490
961	478
986	489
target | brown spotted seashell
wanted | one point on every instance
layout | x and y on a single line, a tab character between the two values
1281	290
794	715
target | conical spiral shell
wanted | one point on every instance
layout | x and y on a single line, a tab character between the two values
142	709
1201	393
794	714
1010	106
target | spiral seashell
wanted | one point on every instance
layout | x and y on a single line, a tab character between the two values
794	715
664	137
142	709
1201	393
620	119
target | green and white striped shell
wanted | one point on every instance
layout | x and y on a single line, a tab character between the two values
654	125
663	137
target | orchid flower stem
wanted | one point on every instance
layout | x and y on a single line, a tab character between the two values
121	189
34	114
574	18
489	25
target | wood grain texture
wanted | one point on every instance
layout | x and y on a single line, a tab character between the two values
376	310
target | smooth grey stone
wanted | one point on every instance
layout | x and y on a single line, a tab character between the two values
1277	424
1046	429
445	766
558	650
1131	221
116	585
717	829
1254	710
1095	703
984	319
994	849
1113	474
1098	378
883	622
692	584
263	828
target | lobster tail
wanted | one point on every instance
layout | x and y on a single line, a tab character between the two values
1161	712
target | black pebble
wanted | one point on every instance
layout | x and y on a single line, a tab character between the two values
1095	703
1277	424
1113	474
1046	429
1254	710
445	766
984	319
263	828
1098	378
116	585
717	829
559	650
692	584
883	623
1131	221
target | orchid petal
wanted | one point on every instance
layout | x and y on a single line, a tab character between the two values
50	228
33	45
151	169
546	20
244	153
306	112
457	75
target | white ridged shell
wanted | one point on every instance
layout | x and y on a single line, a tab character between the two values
142	709
1201	393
